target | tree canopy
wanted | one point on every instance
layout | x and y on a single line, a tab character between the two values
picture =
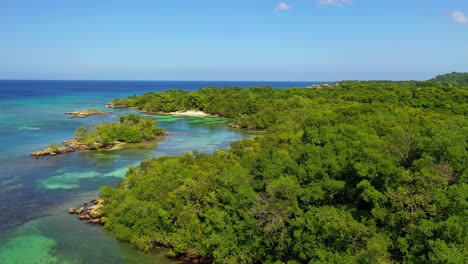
454	78
260	107
365	172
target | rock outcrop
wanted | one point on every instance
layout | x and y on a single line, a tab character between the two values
53	151
68	147
92	214
80	210
86	113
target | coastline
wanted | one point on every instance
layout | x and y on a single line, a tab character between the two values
37	193
189	113
194	113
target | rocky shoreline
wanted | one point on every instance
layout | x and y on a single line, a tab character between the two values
69	146
86	113
53	151
90	214
73	145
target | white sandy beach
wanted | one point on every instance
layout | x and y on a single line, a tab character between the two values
190	113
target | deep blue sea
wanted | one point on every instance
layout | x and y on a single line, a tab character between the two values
36	193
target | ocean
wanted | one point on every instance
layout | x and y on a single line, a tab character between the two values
35	194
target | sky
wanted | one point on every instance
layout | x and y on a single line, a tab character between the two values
290	40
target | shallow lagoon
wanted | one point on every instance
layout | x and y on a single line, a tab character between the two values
36	193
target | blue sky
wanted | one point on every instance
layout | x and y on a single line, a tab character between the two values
232	40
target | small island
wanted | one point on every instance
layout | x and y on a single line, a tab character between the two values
86	113
129	128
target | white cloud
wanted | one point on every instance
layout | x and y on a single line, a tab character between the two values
460	17
335	2
283	6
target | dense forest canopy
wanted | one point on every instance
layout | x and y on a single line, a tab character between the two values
460	78
259	107
365	172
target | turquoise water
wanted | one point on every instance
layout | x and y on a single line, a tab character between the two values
36	193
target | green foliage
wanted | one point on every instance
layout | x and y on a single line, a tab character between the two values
366	172
55	145
81	131
130	128
453	78
261	107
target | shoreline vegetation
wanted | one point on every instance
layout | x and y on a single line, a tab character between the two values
128	129
365	172
86	113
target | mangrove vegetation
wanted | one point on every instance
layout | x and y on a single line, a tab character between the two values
364	172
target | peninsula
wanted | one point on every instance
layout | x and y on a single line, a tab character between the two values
364	172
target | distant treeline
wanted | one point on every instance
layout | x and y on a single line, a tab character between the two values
366	172
457	78
260	107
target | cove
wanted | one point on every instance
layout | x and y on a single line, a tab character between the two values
36	193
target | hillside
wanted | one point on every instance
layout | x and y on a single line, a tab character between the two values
453	78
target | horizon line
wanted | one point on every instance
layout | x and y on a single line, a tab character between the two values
161	80
143	80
